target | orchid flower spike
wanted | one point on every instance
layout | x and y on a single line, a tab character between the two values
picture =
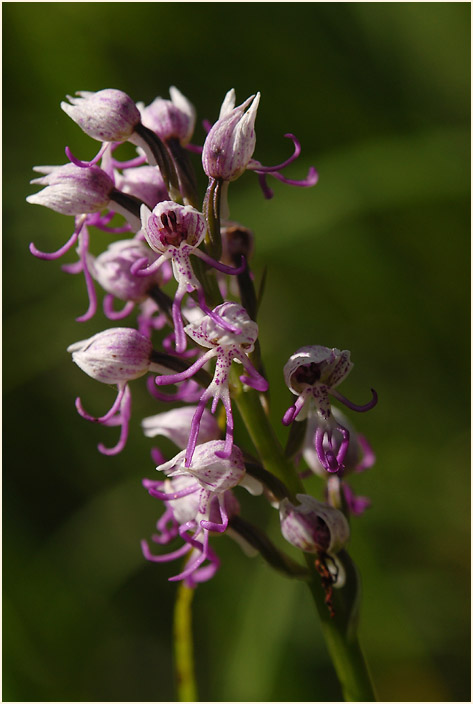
175	232
226	347
312	374
199	501
114	356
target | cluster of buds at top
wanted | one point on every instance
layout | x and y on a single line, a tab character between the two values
185	268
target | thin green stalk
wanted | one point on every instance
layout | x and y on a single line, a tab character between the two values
183	649
339	630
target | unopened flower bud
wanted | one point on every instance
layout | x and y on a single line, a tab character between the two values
143	182
237	242
231	142
72	190
113	356
109	115
173	118
112	270
313	526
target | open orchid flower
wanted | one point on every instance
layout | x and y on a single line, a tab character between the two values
312	374
198	500
226	347
175	232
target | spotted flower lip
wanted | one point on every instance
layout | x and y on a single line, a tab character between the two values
72	190
171	118
313	526
231	141
107	115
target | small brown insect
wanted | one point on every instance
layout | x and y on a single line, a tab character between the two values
327	579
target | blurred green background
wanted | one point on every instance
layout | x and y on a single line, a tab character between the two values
374	259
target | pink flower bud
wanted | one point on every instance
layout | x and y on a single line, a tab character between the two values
313	526
72	190
173	118
108	116
113	356
231	142
143	182
112	270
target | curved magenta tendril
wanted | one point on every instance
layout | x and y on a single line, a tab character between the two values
195	427
216	318
218	527
75	268
62	250
114	314
228	447
124	420
165	496
85	164
89	283
294	410
233	271
368	456
182	376
195	563
260	169
353	406
164	558
109	414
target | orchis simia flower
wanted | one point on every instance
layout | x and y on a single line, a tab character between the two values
312	374
175	232
114	356
199	501
226	347
359	457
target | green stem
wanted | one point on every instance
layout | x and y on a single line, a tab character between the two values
183	650
340	631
